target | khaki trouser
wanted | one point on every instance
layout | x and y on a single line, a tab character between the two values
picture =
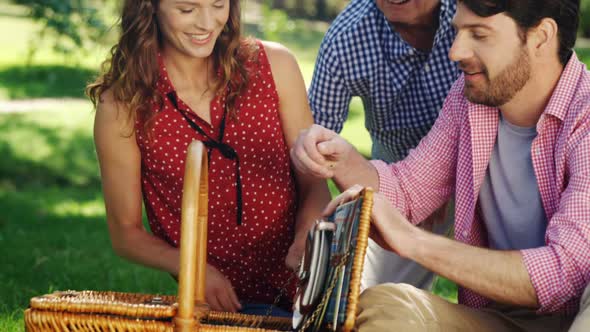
404	308
582	322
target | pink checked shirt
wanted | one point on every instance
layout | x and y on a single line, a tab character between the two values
454	156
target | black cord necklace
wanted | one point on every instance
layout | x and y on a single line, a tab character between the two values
225	149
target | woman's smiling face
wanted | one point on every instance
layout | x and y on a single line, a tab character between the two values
192	26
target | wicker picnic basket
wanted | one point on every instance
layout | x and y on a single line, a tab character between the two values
115	311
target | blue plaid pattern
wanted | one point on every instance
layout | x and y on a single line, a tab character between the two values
402	88
344	240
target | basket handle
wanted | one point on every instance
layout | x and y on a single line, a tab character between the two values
193	240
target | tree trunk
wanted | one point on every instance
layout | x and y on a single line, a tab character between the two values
279	4
321	10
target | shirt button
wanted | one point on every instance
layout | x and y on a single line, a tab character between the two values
464	233
538	151
426	68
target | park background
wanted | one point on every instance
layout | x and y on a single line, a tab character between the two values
53	234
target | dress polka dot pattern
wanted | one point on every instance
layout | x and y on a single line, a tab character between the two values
251	255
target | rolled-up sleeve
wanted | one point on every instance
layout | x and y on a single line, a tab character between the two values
560	270
329	95
425	180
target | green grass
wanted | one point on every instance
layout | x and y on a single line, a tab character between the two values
53	234
43	81
52	228
584	54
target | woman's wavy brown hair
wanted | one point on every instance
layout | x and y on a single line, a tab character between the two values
132	70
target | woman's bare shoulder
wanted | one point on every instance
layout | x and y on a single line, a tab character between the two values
112	115
277	53
282	63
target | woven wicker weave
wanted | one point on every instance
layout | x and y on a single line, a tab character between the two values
112	311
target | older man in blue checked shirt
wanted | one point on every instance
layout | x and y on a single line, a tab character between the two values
393	54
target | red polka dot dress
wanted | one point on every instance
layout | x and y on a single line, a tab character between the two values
249	249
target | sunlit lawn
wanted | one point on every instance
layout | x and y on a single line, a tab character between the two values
52	229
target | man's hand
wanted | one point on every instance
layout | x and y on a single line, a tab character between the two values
389	228
219	292
319	152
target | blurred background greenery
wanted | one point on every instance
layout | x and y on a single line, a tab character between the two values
53	234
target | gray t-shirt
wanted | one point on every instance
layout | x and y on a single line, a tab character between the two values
509	198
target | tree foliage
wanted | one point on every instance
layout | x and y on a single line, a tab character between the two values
585	18
324	10
70	23
73	23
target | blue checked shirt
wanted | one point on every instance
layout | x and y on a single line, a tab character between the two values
402	88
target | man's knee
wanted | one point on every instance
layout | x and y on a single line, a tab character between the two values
582	322
390	307
393	295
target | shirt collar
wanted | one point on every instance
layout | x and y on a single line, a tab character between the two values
164	85
565	90
445	17
562	96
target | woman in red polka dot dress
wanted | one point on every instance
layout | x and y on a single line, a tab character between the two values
181	72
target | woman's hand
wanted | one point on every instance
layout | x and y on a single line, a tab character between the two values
219	292
295	254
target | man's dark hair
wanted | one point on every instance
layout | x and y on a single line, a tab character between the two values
528	14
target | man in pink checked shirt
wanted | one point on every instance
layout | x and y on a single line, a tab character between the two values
512	142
